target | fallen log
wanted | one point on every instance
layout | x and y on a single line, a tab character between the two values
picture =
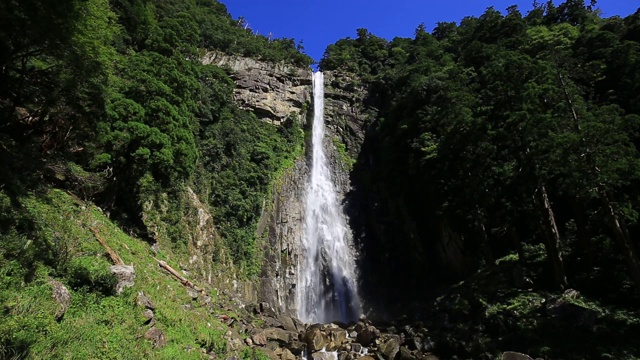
115	258
177	275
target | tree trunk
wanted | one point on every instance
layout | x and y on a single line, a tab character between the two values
619	228
552	237
626	246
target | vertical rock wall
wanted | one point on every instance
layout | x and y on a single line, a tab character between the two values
282	228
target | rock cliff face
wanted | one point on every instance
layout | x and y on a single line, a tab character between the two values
385	233
272	92
347	111
282	227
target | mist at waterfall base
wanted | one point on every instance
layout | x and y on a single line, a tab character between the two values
326	288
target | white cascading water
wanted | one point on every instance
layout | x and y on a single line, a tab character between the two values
326	288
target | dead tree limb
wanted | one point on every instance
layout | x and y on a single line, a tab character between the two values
173	272
115	258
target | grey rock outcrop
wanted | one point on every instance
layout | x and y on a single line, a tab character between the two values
61	296
156	336
125	274
272	91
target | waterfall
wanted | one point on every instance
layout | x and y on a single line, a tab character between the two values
326	289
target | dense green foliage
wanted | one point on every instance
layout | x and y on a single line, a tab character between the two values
504	130
108	99
106	102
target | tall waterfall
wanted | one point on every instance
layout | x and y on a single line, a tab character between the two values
326	288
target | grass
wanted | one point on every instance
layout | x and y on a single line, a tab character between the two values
98	324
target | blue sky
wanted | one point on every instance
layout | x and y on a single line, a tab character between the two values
319	23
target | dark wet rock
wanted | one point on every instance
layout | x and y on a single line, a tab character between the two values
366	333
428	344
520	279
156	336
415	343
61	296
563	310
296	347
406	354
341	325
125	274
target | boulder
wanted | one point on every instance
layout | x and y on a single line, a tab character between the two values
267	310
346	356
125	274
356	348
259	338
406	354
280	335
315	339
156	336
288	323
366	334
337	337
562	309
323	355
149	317
510	355
274	346
296	347
61	296
287	355
390	347
144	301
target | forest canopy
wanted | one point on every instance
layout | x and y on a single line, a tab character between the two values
516	129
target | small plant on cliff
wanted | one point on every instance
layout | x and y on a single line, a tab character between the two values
343	154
